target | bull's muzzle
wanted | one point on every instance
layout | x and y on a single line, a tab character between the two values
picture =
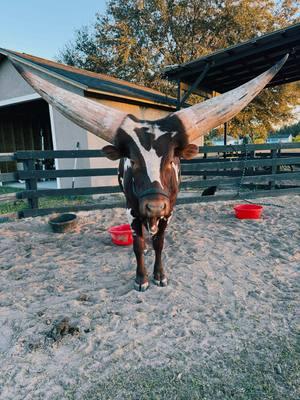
151	208
156	208
153	202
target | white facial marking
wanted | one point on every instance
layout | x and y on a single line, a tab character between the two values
176	169
129	216
157	132
152	161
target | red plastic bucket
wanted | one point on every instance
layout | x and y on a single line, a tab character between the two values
121	235
248	211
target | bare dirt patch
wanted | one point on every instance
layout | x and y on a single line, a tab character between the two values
224	328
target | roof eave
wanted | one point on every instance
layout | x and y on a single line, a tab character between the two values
45	71
86	89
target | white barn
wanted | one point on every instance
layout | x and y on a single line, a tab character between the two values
279	138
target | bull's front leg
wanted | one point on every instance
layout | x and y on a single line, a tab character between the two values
141	282
159	277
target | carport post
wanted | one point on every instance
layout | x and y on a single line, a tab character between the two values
178	106
225	134
182	100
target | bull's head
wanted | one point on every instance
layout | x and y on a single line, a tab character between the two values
152	148
150	172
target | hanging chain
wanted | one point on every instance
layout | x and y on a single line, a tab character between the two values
241	181
243	171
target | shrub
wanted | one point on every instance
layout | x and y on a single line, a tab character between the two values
296	138
259	141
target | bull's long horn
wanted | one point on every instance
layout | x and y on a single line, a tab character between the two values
201	118
101	120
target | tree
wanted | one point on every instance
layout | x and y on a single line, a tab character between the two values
136	39
293	130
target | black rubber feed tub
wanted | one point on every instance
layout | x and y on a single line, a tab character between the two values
63	223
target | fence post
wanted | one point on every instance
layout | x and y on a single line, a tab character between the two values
204	176
31	184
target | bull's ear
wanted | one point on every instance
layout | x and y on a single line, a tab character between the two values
188	152
112	152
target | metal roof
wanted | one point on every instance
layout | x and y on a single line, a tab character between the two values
93	83
235	65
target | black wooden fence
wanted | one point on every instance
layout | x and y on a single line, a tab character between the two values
238	172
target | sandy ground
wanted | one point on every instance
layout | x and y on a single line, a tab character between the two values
232	284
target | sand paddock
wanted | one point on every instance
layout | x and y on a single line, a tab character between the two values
224	328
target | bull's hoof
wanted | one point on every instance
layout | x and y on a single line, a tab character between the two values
163	282
141	287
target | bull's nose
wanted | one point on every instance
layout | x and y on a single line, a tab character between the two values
156	207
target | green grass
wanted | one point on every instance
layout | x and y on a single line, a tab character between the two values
46	202
50	202
13	206
9	189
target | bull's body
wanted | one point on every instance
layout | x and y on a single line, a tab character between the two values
139	225
150	192
150	151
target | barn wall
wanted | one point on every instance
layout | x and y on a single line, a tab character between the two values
143	112
65	135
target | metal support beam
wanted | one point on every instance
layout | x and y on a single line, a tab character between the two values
225	133
199	92
178	95
194	86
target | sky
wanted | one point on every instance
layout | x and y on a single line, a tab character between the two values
43	27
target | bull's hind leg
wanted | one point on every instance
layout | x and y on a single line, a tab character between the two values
159	277
141	282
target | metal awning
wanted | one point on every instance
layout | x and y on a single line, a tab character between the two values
231	67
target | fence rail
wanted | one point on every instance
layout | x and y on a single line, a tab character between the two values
7	157
264	170
34	154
